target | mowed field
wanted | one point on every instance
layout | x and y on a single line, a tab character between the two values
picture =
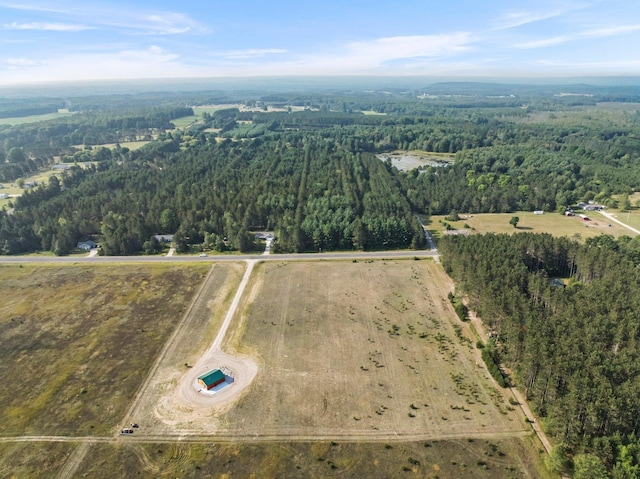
358	350
551	223
75	341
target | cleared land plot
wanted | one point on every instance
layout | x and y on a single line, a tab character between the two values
157	409
409	160
132	145
495	459
631	218
360	349
76	341
552	223
22	120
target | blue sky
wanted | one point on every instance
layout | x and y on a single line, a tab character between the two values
88	40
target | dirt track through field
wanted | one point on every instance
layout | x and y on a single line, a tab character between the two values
74	460
244	369
171	401
201	296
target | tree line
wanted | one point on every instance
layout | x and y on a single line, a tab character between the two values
573	348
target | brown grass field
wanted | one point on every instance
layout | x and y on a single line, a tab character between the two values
364	371
551	223
464	459
361	350
75	340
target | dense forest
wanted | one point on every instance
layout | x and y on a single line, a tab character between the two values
304	165
551	335
315	196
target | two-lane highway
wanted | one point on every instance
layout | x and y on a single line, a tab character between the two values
349	255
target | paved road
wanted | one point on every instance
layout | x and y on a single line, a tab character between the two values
218	258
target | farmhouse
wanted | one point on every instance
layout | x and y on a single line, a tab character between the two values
211	379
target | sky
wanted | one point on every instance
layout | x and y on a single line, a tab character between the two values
70	40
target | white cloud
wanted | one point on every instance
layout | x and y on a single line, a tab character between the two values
594	33
390	48
165	23
131	18
32	7
19	63
518	18
612	31
253	52
152	62
369	56
56	27
545	42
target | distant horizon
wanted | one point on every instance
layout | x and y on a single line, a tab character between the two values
294	83
113	40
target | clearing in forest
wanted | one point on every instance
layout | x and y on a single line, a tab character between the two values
551	223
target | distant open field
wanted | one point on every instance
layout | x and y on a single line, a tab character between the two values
40	177
631	218
132	145
34	118
552	223
76	341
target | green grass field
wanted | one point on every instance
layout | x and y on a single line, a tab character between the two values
22	120
552	223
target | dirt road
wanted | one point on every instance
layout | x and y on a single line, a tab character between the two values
616	220
244	369
519	397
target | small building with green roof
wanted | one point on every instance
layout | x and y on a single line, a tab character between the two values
211	379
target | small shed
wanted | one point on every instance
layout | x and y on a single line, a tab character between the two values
211	379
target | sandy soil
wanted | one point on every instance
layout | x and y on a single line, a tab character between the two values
188	398
172	402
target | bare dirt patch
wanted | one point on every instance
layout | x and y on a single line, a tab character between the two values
409	160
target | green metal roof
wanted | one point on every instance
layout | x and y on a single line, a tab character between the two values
212	377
